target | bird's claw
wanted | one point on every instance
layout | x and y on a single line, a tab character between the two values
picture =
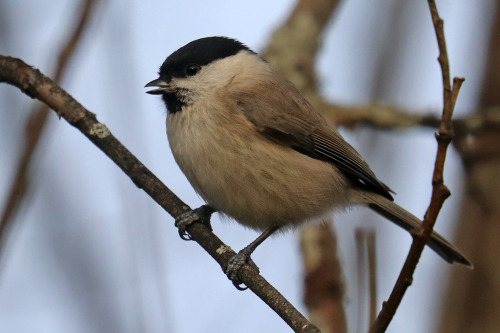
201	214
235	264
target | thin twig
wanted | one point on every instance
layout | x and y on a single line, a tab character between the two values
372	273
360	237
36	85
366	271
35	126
439	191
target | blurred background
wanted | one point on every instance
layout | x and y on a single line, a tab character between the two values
87	251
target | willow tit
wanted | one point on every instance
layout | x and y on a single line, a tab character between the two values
254	149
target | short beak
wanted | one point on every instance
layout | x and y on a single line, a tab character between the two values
162	85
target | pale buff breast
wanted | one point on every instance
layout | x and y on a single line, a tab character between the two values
257	182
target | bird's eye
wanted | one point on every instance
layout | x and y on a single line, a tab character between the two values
192	69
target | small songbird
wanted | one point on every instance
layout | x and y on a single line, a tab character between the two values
255	150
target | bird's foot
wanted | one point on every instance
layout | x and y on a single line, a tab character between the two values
236	263
201	214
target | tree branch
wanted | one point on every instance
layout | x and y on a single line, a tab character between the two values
366	270
293	46
324	287
439	191
381	116
36	85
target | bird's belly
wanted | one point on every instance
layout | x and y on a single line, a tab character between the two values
257	182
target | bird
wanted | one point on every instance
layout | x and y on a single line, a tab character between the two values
257	151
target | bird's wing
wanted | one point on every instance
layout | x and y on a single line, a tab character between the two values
295	123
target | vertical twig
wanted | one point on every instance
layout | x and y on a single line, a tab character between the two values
360	236
439	191
372	273
366	267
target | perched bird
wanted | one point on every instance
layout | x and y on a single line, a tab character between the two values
255	150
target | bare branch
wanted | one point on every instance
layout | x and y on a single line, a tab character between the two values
439	191
36	85
381	116
484	124
372	271
366	268
293	46
323	286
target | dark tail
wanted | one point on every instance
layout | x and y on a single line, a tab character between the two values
408	221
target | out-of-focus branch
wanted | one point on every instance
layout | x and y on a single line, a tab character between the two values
366	268
439	191
381	116
324	287
361	272
293	46
372	273
36	85
472	299
485	124
292	51
36	124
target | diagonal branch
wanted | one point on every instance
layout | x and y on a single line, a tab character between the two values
36	85
439	191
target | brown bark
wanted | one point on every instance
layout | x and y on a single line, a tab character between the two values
473	297
324	285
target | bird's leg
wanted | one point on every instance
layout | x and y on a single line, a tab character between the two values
243	257
201	214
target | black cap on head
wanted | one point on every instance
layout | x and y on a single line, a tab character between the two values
199	52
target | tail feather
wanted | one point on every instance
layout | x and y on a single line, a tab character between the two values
408	221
